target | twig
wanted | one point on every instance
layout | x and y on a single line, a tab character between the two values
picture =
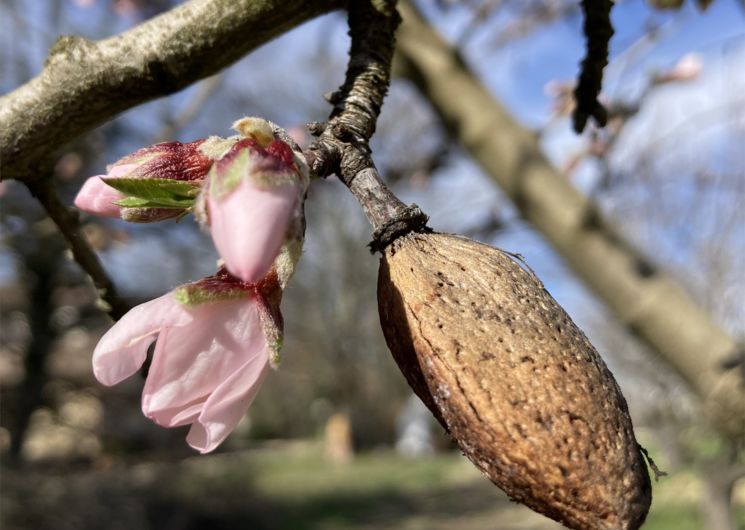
83	254
342	146
598	31
481	13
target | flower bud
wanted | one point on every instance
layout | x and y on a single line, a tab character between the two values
514	381
98	198
167	160
254	199
152	184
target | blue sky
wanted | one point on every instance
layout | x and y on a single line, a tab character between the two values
518	73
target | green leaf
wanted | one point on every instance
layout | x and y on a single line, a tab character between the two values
136	202
161	193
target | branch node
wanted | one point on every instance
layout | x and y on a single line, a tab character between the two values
71	47
409	219
333	96
316	128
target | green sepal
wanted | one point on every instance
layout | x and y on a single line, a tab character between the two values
227	173
193	294
157	193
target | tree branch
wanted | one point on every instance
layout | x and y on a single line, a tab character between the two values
67	222
85	83
342	146
598	31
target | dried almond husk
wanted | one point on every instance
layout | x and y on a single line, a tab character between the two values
515	382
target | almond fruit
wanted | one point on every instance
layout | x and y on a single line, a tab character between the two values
513	380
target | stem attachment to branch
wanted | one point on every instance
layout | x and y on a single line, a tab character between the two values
342	147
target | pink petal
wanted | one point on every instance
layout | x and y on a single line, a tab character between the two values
96	197
122	350
229	402
178	416
191	361
249	226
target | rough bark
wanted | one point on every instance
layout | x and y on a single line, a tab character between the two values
342	147
647	301
85	83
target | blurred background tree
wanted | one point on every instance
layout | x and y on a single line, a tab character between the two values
666	175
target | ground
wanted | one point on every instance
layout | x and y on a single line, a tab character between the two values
283	486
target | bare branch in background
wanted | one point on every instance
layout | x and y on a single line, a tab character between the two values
481	14
175	123
598	31
535	17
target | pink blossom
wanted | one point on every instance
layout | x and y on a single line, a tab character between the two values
688	68
98	198
211	355
249	226
254	204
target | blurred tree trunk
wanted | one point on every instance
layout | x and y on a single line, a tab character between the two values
719	479
41	264
716	505
643	297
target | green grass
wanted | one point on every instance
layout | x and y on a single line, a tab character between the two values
293	487
317	494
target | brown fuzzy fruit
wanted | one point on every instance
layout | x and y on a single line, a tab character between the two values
513	379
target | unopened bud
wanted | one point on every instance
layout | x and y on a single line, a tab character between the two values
152	184
253	200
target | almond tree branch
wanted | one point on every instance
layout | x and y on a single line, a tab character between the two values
342	146
67	222
85	83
